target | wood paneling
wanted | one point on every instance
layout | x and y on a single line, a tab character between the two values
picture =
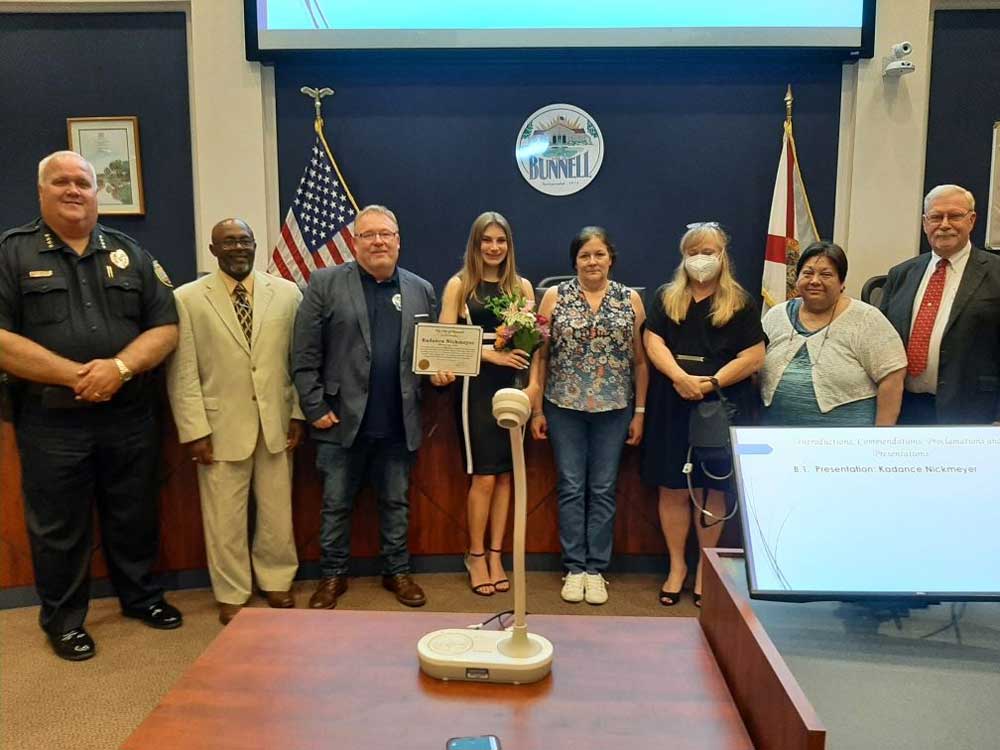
775	710
616	682
437	502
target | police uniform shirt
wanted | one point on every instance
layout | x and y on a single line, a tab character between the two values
82	307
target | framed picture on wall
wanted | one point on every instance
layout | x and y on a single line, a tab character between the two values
993	208
111	144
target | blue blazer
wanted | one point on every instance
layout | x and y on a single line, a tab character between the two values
968	389
331	353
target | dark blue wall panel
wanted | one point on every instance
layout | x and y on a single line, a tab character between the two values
965	102
688	138
54	66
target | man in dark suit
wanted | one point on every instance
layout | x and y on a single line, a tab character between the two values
946	307
351	363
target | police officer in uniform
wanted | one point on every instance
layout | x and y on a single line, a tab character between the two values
85	313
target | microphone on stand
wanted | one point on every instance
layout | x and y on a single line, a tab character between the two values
489	655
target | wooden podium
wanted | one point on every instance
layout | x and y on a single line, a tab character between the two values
776	712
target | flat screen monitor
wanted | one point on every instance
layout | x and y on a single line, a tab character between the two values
282	26
870	513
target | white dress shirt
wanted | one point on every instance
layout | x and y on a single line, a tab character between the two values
926	382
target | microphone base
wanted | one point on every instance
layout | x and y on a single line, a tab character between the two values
478	656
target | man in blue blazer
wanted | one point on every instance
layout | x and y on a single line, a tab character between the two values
351	362
946	307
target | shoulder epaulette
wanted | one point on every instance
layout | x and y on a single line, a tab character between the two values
31	226
118	233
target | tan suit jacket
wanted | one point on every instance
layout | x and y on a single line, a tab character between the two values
221	386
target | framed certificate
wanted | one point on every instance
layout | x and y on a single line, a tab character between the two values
443	347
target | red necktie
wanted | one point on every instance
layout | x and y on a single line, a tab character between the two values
920	336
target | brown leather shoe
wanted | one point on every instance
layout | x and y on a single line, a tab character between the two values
406	589
228	611
327	591
279	599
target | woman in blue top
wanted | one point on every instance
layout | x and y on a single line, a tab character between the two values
832	361
593	375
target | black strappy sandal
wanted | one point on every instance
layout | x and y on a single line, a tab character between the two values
483	589
503	585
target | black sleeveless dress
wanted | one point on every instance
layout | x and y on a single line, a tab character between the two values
485	446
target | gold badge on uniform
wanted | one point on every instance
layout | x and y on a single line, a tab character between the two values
119	258
39	274
162	275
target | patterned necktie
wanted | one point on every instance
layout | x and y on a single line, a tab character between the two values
244	313
920	337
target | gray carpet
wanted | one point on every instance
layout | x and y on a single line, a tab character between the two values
47	703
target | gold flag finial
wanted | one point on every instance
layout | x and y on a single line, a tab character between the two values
317	96
788	103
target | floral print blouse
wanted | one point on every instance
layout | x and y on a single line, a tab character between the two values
590	353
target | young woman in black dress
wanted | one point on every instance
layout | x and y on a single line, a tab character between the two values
488	270
703	332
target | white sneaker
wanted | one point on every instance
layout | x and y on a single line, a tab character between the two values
572	590
596	588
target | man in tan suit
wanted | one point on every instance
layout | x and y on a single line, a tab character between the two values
237	411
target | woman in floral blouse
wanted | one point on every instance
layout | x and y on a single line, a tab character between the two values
588	388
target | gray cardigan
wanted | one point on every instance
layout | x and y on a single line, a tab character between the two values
849	358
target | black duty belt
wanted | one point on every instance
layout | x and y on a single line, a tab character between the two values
60	397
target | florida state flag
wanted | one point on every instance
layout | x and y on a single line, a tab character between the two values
791	226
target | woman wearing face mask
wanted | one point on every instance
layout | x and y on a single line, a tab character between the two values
831	360
703	332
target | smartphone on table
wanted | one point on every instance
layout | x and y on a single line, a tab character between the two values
479	742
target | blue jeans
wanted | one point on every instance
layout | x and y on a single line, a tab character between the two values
587	448
386	463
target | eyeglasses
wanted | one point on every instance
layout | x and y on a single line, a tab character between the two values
808	273
231	243
953	217
384	235
705	224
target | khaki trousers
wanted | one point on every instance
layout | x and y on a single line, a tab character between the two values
224	488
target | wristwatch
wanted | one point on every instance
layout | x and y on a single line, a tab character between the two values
123	371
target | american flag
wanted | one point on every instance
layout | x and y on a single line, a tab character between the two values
318	230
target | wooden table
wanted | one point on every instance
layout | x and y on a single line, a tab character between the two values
350	680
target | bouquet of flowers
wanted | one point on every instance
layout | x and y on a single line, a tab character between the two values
519	325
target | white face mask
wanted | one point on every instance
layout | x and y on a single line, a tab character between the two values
703	268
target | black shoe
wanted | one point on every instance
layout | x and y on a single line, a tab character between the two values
669	598
73	645
160	615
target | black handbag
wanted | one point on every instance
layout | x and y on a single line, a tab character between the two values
708	425
709	445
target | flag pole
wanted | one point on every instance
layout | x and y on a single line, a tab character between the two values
789	99
790	224
317	96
